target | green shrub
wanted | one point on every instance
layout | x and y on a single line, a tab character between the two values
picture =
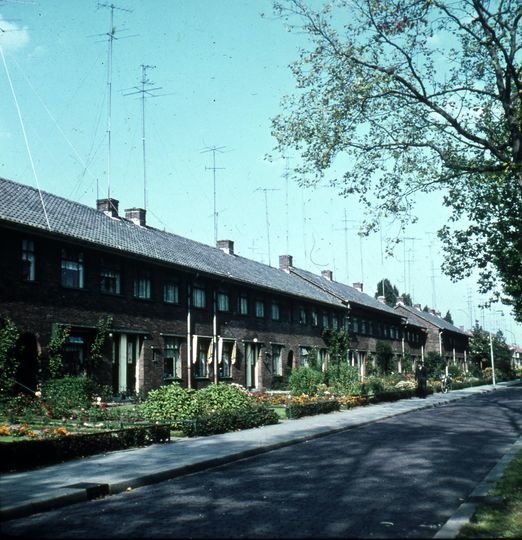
298	410
64	396
279	382
171	403
8	362
343	378
23	407
373	385
305	380
249	416
223	397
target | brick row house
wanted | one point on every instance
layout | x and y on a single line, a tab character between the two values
181	310
442	337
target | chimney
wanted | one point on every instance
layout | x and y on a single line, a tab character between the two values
285	262
136	215
400	300
108	206
381	299
227	246
417	306
328	274
358	286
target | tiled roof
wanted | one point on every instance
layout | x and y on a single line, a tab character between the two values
21	204
435	320
343	291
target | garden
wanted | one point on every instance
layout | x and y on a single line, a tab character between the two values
74	416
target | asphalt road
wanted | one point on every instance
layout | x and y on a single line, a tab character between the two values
397	478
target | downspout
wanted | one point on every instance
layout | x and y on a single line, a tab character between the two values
214	335
189	338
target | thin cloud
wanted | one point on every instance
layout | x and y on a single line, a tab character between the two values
12	36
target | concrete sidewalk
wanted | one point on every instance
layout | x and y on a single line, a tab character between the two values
50	487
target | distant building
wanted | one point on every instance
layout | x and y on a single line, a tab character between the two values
449	341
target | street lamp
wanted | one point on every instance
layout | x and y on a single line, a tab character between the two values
492	359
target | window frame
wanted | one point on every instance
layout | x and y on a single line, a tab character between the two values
108	269
28	260
72	265
172	354
171	285
260	309
199	297
142	285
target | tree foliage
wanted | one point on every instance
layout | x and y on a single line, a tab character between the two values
9	335
397	97
480	346
389	291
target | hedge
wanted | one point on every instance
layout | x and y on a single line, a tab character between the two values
29	454
251	416
298	410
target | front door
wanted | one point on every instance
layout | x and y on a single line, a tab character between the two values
252	354
126	355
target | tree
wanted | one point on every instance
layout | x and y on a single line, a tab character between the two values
407	299
389	291
397	97
448	317
384	357
480	351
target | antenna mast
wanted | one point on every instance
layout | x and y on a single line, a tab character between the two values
145	81
267	220
214	149
111	37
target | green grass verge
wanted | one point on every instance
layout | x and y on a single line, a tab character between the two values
503	520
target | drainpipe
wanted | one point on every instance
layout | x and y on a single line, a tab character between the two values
214	336
189	338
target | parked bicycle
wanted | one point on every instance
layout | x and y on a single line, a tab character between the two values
445	384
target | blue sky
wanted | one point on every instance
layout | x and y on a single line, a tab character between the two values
220	70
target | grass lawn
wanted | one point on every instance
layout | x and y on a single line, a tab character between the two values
505	519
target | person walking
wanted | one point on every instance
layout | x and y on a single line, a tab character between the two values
421	376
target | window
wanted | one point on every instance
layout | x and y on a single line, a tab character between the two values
74	355
171	359
277	360
204	356
335	322
222	301
302	315
142	285
171	292
303	356
243	304
28	260
110	280
276	315
370	328
314	317
260	309
72	269
226	357
199	298
355	325
363	326
326	320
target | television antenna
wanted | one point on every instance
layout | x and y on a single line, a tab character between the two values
214	149
146	92
111	36
345	229
266	190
